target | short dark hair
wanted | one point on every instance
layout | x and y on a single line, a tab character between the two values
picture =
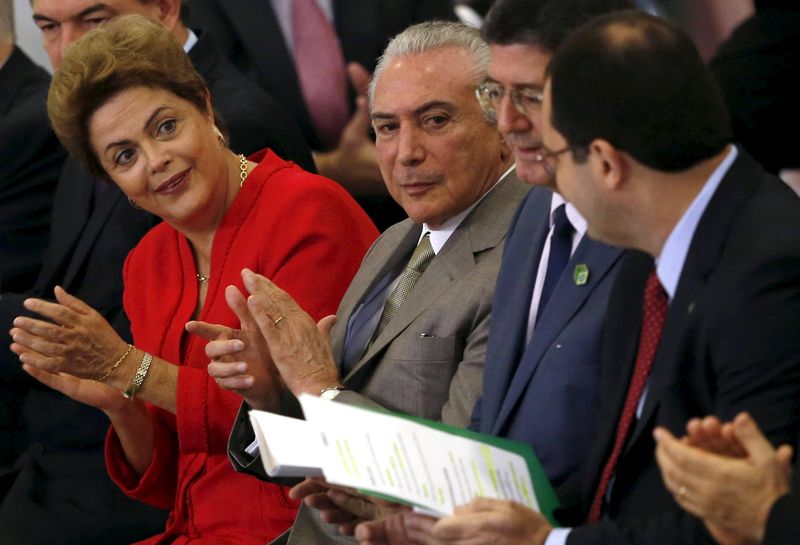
543	23
638	82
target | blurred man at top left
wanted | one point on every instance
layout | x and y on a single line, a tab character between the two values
30	160
61	493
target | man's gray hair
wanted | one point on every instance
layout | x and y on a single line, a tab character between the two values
429	36
7	21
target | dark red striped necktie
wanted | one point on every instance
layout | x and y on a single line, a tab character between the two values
653	315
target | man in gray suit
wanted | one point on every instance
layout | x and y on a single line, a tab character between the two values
447	166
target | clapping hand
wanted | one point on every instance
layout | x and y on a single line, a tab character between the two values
240	358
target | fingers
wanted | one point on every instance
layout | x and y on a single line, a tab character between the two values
238	304
209	332
481	505
217	350
307	487
219	369
230	376
389	531
371	532
56	312
357	129
359	77
267	302
40	328
751	438
71	301
419	528
355	505
348	529
24	342
784	457
671	455
325	325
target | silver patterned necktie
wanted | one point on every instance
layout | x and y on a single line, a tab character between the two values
420	259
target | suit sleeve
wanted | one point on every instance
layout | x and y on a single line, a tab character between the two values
783	526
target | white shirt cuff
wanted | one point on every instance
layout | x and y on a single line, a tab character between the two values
557	536
252	449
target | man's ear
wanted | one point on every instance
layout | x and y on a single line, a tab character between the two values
169	13
608	163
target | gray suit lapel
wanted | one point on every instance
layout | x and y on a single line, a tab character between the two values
484	228
393	247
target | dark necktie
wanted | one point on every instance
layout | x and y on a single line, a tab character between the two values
420	259
653	315
320	67
560	250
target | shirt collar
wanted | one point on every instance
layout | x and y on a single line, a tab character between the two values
669	264
441	234
190	41
575	218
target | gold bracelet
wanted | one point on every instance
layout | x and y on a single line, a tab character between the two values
116	364
137	380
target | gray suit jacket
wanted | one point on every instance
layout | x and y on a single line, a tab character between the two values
429	360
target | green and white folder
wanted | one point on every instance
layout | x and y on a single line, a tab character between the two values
431	466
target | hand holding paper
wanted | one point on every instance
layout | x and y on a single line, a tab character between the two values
433	467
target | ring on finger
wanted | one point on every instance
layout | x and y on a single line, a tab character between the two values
277	320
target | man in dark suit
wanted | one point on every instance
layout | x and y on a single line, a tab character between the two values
30	160
257	37
542	371
93	229
645	157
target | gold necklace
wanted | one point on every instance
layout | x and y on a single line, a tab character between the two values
203	278
242	169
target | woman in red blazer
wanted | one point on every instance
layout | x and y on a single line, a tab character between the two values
127	102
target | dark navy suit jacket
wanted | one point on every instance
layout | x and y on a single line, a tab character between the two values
545	393
730	343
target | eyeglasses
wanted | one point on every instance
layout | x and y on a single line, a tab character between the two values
525	99
548	158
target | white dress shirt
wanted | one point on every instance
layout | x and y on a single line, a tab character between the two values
579	229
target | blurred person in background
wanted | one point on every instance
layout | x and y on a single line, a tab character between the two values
316	58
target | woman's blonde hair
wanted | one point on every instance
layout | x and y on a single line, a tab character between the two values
127	52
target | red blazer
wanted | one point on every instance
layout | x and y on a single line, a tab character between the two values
307	235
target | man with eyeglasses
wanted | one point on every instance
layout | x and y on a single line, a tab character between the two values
542	366
541	373
702	319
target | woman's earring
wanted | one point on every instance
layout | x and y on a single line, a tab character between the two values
219	136
133	204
